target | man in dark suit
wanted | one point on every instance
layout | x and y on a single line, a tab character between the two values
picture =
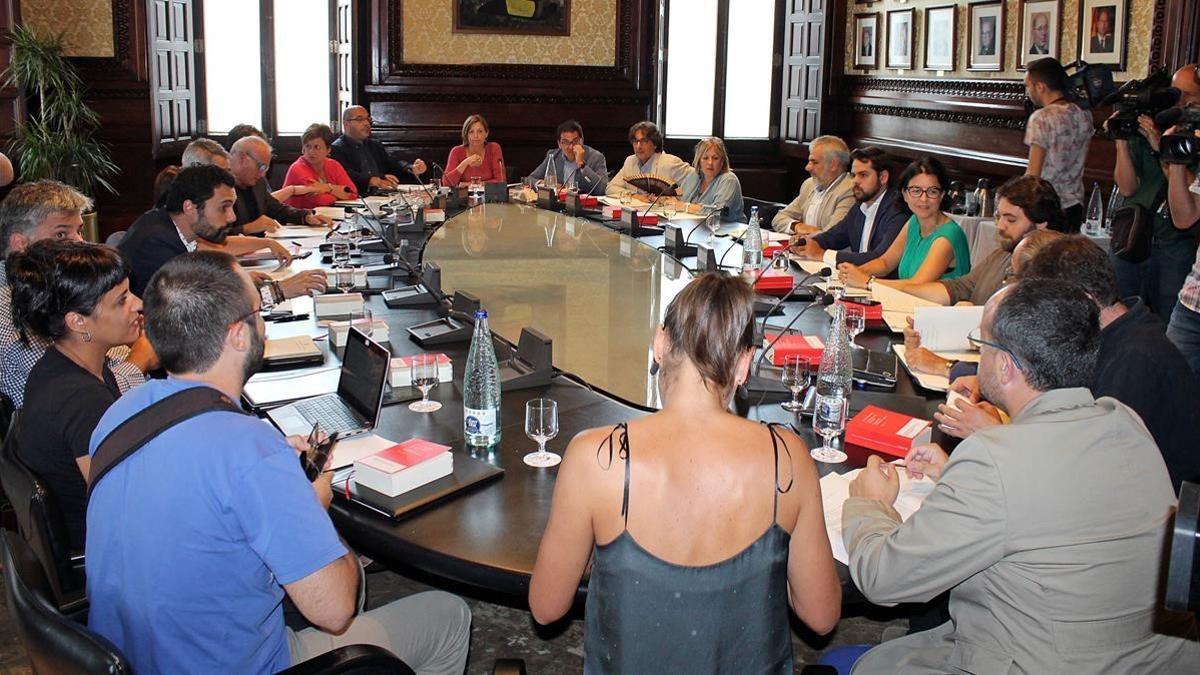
867	231
1102	37
365	159
256	210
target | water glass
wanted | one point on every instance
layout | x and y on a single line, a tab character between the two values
423	368
541	425
626	197
712	223
343	277
796	374
829	420
670	209
341	252
856	320
363	320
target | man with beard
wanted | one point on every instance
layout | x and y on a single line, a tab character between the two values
866	232
198	207
1047	532
200	531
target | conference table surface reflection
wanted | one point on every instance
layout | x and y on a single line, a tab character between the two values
597	294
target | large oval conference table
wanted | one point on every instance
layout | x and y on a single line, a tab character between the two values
599	295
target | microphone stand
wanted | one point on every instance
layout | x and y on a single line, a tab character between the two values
757	383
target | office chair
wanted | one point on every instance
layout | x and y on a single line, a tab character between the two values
56	644
766	210
41	525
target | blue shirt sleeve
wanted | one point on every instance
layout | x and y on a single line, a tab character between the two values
281	518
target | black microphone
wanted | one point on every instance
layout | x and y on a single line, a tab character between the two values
755	381
375	216
1168	118
824	273
672	187
424	187
596	183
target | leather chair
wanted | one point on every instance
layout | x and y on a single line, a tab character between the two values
7	410
766	210
56	644
41	525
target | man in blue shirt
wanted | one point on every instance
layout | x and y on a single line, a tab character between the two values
194	539
574	163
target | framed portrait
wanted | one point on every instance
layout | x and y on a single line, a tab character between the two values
1040	25
513	17
985	35
941	35
866	40
1103	29
900	38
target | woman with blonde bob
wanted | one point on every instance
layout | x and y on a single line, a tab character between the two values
703	527
713	184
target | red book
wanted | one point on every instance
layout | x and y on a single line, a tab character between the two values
404	466
770	249
649	219
774	282
810	347
872	312
589	202
886	431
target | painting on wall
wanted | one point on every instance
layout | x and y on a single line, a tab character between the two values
866	40
900	38
513	17
985	35
1039	31
941	34
1104	32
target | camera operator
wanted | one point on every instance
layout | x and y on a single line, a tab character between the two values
1183	196
1141	180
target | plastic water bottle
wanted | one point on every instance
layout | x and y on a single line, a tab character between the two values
481	388
1094	220
835	377
1115	201
551	178
752	245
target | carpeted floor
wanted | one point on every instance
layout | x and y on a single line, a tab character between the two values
500	631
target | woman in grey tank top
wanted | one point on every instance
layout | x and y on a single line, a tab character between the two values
705	527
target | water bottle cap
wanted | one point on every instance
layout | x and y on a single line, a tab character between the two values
481	314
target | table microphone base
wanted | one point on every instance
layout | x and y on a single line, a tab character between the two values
404	297
444	331
531	365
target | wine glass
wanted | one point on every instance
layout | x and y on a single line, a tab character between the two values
341	252
423	368
626	197
541	424
712	223
363	320
670	209
795	377
343	276
856	320
829	420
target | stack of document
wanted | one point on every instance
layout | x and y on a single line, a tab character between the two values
944	330
835	490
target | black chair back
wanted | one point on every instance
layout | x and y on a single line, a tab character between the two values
766	210
40	522
7	410
54	643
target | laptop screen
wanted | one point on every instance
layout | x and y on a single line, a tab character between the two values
364	368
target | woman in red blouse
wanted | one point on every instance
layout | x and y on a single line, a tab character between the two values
475	158
314	178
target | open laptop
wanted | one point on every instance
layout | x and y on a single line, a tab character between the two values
354	408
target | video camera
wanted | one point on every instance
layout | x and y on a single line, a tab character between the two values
1135	98
1181	147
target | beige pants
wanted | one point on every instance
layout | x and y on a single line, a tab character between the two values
431	632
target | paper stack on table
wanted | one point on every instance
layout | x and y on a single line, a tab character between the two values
331	212
944	330
926	380
298	231
835	490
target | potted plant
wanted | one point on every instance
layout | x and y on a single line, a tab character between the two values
56	139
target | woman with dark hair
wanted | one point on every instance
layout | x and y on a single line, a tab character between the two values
476	158
930	246
76	295
703	526
316	179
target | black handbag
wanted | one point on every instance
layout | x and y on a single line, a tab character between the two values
1132	232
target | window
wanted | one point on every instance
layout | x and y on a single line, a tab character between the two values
720	73
270	68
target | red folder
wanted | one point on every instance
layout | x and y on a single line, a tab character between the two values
810	347
872	312
886	431
774	282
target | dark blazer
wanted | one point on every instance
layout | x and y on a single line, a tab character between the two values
350	154
844	237
256	201
151	241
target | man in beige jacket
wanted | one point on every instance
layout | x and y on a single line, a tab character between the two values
826	196
1048	532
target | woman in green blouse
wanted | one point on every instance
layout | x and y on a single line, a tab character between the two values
931	246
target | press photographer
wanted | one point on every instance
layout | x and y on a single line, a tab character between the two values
1151	252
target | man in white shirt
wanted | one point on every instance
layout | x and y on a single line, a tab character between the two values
647	158
826	197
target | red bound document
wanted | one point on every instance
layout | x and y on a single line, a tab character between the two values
810	347
404	466
887	431
870	312
774	282
770	249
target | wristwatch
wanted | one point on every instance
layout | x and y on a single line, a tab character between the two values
870	280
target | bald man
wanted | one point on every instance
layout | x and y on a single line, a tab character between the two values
257	211
365	159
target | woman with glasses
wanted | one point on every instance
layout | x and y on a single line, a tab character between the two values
713	184
931	246
702	527
76	295
476	158
315	178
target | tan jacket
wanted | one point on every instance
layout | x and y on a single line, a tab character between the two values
664	164
1048	532
837	201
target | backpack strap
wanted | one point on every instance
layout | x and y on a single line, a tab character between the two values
137	431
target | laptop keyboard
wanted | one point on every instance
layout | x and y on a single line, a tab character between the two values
330	413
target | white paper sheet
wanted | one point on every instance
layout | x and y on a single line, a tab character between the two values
926	380
835	490
351	450
945	329
298	232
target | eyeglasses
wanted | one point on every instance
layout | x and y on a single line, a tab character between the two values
262	166
978	342
639	141
916	192
566	143
252	313
359	119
